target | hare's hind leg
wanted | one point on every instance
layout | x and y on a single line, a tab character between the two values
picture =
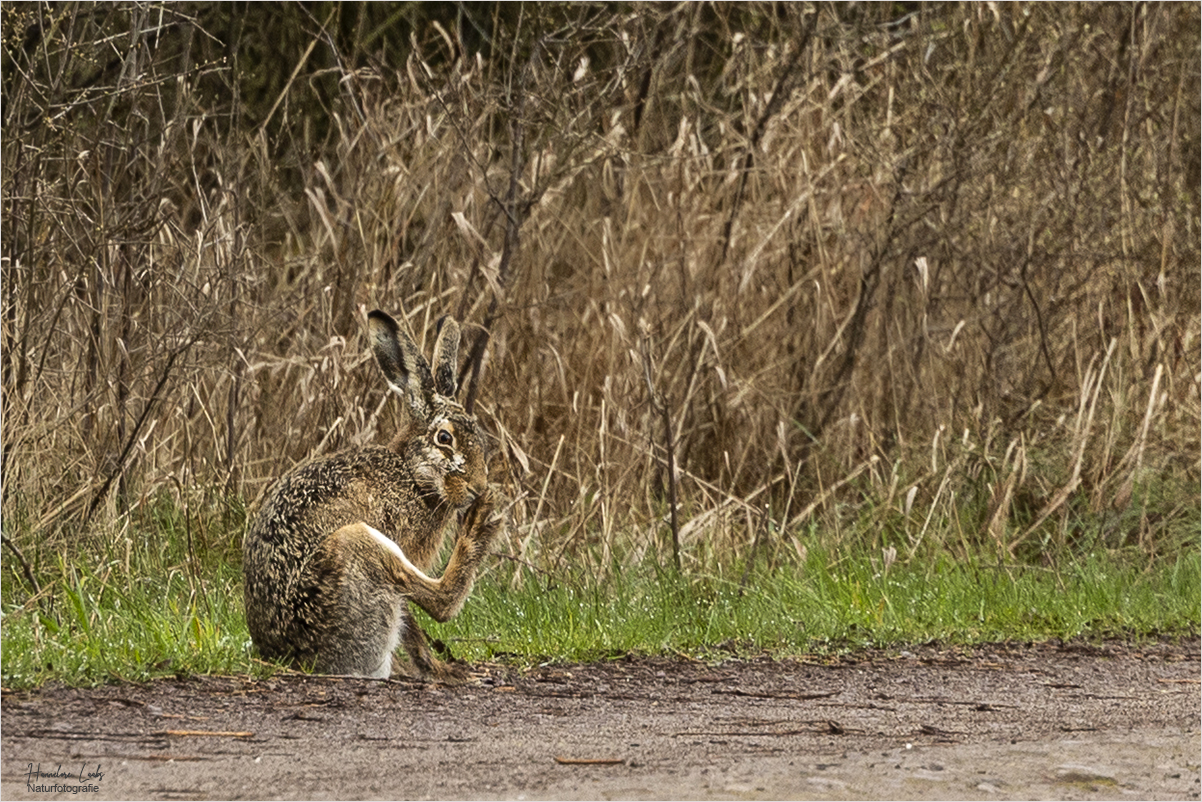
441	597
365	613
403	578
367	580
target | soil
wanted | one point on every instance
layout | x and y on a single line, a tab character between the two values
1050	721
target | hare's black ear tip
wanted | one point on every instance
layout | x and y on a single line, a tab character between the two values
438	324
381	318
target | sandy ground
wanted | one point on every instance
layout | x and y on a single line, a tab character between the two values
999	722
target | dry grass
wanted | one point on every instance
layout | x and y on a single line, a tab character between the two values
932	280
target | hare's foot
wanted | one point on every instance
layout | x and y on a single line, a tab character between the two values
426	665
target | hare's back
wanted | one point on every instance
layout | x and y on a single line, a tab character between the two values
326	494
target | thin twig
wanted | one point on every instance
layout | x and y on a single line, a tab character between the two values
119	469
588	761
26	569
207	733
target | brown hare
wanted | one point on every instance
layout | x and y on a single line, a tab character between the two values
342	543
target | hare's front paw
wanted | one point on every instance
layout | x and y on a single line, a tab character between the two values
478	524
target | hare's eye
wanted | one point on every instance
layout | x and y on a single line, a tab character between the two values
444	438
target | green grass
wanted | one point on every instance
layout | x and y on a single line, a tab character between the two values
827	605
135	613
161	597
94	628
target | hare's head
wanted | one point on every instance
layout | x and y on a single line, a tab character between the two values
442	442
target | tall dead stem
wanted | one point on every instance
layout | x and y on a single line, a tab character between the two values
659	405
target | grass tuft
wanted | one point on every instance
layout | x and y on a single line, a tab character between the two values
826	605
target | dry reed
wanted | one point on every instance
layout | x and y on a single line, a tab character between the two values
872	275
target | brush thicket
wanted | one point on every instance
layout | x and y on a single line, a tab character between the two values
806	271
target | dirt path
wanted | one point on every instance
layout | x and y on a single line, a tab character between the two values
998	722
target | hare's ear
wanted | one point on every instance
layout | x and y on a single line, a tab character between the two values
403	365
446	355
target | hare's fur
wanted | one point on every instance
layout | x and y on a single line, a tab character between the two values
343	543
